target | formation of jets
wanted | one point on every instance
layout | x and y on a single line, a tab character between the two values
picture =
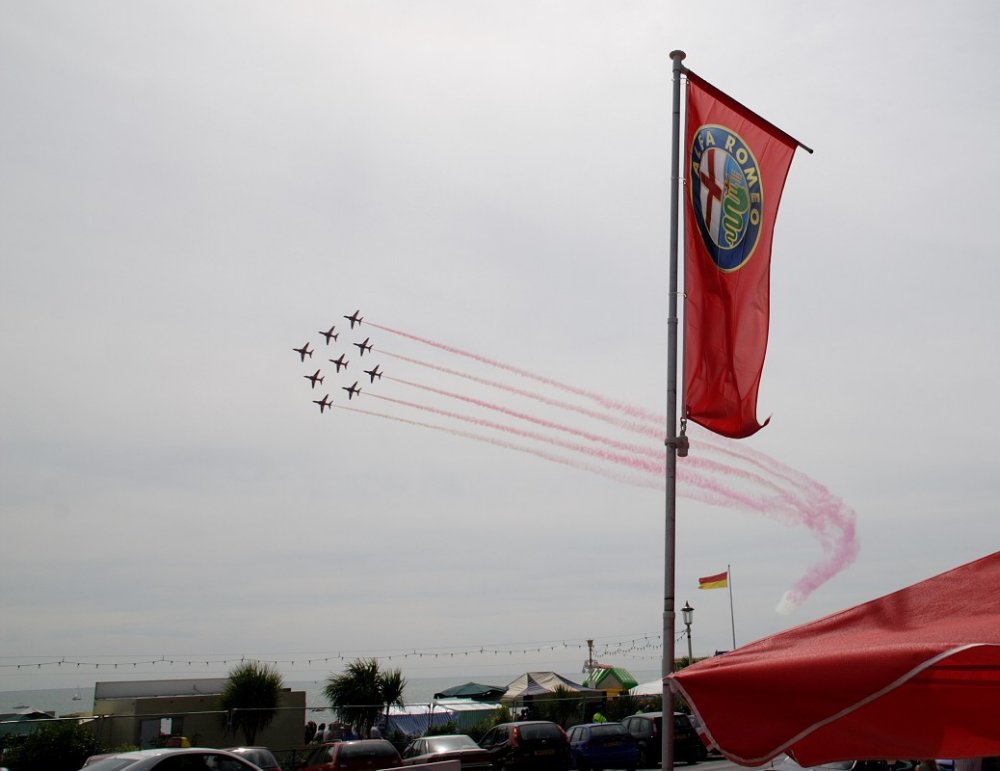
317	378
352	390
340	363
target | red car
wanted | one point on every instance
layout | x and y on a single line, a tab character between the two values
360	755
259	756
433	749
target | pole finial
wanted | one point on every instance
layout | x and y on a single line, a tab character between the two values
678	55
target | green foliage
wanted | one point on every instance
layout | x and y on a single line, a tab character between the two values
621	706
250	698
562	706
478	730
62	746
442	730
362	692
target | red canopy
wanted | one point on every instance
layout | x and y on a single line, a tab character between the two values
914	674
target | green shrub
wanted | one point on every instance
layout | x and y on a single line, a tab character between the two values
442	730
58	746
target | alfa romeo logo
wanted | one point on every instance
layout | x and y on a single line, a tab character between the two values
727	196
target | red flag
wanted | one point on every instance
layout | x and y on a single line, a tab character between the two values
736	167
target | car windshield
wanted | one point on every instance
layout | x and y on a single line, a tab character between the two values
445	743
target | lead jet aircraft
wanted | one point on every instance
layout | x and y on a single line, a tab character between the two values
329	335
314	379
303	352
352	390
365	346
324	403
373	373
341	362
355	319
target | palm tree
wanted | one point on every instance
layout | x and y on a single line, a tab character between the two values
391	685
362	692
250	698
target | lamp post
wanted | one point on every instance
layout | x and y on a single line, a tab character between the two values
687	613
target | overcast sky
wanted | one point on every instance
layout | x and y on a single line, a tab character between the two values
190	190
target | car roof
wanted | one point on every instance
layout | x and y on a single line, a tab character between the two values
154	752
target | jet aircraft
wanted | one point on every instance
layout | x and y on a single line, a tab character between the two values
324	403
329	335
355	319
341	362
373	373
303	352
365	346
317	378
352	390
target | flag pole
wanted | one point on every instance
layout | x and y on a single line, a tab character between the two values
732	617
672	444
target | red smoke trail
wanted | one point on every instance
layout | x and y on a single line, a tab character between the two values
626	409
628	425
572	463
626	446
704	488
808	503
635	464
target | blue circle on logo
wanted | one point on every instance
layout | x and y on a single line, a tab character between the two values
727	195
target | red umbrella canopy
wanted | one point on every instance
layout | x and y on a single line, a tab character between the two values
913	674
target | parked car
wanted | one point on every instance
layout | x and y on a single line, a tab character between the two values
787	764
596	746
173	759
527	745
431	749
259	756
356	755
646	729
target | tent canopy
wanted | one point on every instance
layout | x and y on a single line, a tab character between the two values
913	674
532	684
472	691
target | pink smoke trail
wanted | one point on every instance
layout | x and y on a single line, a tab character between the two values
810	504
626	446
603	471
634	463
645	429
610	404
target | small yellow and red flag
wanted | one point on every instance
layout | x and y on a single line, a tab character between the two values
718	581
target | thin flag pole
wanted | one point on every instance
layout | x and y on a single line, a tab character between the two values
670	535
732	617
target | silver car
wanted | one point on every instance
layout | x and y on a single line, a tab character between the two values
173	759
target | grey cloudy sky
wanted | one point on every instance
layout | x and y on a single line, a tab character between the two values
189	189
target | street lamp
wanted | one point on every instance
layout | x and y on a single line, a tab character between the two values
687	613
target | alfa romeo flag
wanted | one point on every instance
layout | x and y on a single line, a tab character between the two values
736	168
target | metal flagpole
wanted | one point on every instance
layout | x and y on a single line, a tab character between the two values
732	618
670	537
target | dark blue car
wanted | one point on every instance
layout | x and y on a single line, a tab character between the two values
596	746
